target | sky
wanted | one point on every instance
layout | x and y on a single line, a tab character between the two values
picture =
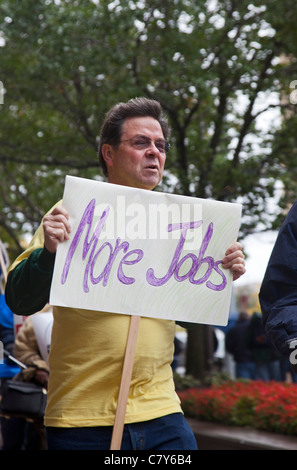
258	248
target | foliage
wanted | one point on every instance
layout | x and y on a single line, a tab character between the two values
184	382
216	378
214	65
270	406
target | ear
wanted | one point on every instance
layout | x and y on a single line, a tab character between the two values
107	152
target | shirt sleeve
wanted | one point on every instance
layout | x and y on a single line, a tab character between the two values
278	293
28	284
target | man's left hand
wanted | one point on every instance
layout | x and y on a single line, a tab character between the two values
234	260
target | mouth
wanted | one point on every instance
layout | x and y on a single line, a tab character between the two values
152	167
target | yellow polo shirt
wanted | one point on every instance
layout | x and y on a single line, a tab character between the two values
86	361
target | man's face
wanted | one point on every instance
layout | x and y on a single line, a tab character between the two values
139	159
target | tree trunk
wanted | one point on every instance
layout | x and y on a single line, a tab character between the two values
200	348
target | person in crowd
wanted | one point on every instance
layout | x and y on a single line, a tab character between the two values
236	345
178	348
28	351
13	429
286	371
265	356
87	347
31	347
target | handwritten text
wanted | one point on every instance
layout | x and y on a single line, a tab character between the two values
120	255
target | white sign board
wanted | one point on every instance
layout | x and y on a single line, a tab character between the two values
145	253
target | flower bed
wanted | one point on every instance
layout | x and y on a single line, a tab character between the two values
269	406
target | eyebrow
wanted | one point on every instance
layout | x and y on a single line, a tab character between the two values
147	137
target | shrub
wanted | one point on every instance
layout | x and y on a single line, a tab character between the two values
270	406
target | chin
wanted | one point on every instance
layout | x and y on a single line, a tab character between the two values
150	186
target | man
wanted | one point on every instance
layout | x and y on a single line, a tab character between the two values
236	344
88	347
277	295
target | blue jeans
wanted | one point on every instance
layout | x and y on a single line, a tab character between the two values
245	370
170	432
268	371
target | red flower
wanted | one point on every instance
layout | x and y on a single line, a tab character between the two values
264	405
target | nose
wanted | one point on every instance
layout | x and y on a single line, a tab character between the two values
152	148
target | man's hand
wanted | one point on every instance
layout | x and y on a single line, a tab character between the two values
234	260
56	228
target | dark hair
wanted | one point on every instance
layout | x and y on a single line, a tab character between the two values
111	130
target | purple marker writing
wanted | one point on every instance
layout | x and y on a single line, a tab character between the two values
89	248
196	262
95	274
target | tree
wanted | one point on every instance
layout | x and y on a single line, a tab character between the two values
214	66
210	64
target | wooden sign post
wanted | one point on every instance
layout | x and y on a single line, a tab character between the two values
125	384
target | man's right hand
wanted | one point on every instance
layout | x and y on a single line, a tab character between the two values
56	228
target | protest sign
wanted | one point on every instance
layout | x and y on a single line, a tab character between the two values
145	253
